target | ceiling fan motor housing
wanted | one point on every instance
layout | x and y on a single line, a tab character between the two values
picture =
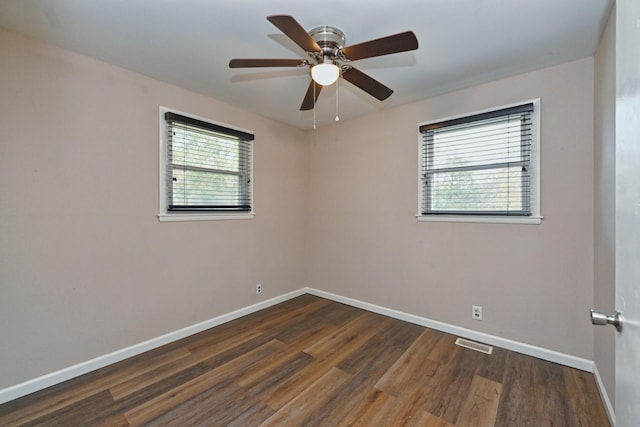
329	38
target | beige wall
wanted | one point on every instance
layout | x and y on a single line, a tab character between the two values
535	282
86	268
604	208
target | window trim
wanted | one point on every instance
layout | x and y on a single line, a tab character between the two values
535	217
165	215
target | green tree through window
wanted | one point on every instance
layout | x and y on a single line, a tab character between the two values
209	168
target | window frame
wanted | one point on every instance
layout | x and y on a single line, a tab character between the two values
166	215
534	218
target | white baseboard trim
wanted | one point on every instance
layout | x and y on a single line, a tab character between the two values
608	406
40	383
530	350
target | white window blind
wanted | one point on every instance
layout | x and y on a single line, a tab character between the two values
208	166
479	164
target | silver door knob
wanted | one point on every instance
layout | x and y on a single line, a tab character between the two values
599	318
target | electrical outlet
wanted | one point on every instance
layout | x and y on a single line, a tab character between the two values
259	288
476	312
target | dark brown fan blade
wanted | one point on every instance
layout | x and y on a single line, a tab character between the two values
366	83
309	100
396	43
253	62
295	32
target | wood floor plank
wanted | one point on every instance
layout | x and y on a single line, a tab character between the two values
446	391
222	405
56	398
352	334
299	409
366	365
551	393
405	410
443	349
289	316
413	366
517	404
493	367
384	348
327	353
481	405
374	409
165	402
266	366
582	396
518	401
263	389
149	376
194	411
303	330
402	350
117	421
424	419
88	412
218	342
336	314
251	323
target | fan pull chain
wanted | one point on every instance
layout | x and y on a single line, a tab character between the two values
337	116
314	103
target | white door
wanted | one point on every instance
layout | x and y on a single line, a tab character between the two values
627	405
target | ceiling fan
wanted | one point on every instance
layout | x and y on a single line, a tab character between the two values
329	57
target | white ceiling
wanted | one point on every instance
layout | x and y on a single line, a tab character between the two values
189	43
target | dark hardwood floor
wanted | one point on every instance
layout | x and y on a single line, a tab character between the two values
310	361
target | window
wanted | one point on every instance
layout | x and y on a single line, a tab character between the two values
482	165
207	169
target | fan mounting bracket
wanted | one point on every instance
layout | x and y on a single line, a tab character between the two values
345	67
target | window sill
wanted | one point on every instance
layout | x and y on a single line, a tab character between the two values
532	220
203	217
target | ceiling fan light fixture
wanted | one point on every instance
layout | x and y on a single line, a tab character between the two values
325	46
325	73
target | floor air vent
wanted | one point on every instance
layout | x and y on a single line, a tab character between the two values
482	348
